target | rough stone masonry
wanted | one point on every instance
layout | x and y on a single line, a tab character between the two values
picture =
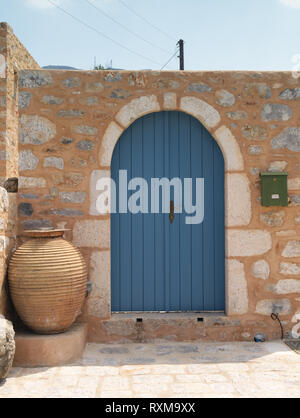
69	124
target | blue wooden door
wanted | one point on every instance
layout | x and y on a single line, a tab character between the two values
157	265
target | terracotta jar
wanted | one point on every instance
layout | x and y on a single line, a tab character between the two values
47	279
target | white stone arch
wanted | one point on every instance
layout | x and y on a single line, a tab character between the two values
202	111
236	181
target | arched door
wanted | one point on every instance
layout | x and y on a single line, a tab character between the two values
159	262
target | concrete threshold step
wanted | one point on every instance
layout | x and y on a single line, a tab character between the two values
33	350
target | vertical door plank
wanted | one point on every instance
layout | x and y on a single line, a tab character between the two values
197	260
208	225
115	239
137	250
219	222
149	226
175	226
125	230
159	219
185	256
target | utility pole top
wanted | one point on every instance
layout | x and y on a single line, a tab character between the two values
181	54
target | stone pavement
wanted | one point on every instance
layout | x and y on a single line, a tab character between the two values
167	369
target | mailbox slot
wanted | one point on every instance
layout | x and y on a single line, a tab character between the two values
274	189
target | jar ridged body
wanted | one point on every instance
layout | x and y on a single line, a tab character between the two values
47	281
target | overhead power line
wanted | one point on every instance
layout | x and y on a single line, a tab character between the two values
125	27
101	33
147	21
172	57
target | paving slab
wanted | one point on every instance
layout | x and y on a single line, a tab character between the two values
165	370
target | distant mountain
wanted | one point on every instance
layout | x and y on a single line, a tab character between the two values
58	67
65	67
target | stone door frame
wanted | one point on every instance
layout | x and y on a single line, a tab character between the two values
236	182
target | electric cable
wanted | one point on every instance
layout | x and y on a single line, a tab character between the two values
124	27
101	33
147	21
275	317
173	56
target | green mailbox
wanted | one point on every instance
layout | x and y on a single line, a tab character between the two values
274	189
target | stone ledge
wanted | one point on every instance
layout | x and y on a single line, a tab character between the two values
180	327
34	350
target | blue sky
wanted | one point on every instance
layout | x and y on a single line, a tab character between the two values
219	34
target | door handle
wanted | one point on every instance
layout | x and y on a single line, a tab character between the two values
172	216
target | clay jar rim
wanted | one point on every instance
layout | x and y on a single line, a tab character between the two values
45	233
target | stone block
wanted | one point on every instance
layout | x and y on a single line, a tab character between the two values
72	114
36	224
261	90
94	87
238	115
224	98
69	213
109	141
25	209
34	78
289	269
92	234
120	94
50	350
113	77
137	108
27	160
248	243
166	83
199	88
72	197
31	182
89	101
279	306
36	130
24	99
4	201
67	141
261	270
2	66
85	130
231	150
294	200
290	94
99	299
289	139
273	219
7	347
238	210
52	100
254	132
71	82
292	249
285	287
294	184
237	288
278	166
85	145
170	101
54	162
276	112
255	150
94	193
209	116
68	179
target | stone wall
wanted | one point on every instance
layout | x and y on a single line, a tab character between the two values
13	57
70	123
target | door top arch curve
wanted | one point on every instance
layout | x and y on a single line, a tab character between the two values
207	115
